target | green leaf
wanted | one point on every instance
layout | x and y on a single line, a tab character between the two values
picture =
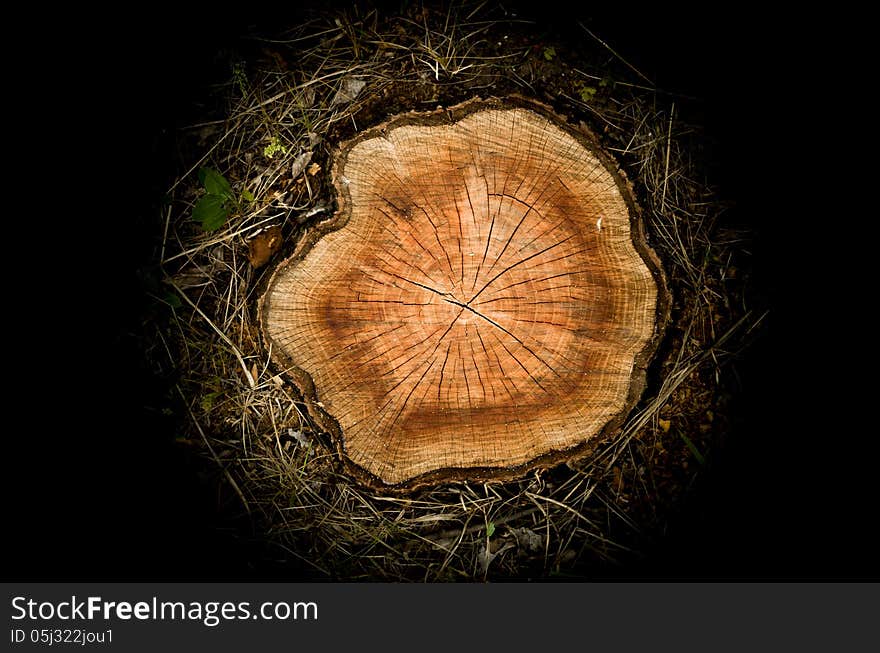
490	529
215	183
173	300
211	212
249	196
549	53
587	93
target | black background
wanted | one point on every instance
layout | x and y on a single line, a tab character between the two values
94	494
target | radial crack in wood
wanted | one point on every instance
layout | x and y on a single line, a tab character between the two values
482	302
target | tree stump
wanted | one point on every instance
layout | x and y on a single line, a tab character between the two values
483	302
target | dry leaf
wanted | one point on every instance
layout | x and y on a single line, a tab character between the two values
618	478
348	90
299	164
664	424
527	540
314	169
264	245
275	57
485	557
300	437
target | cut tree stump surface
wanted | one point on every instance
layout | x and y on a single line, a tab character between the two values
482	302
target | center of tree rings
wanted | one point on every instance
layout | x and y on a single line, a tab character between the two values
483	301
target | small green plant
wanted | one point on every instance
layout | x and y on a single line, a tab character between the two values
214	391
586	93
214	207
693	449
274	147
549	53
239	78
208	400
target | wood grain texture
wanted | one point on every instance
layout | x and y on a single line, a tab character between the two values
482	301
